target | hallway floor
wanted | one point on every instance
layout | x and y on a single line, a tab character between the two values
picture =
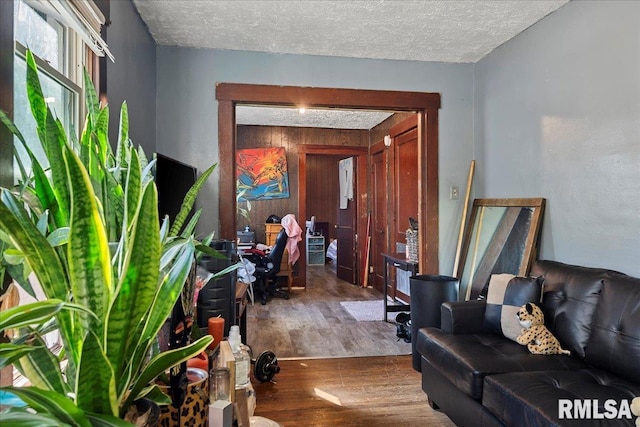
313	324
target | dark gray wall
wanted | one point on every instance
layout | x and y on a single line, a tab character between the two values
187	110
6	92
132	78
557	115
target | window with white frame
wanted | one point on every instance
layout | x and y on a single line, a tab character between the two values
58	33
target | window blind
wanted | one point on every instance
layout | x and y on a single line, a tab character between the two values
83	16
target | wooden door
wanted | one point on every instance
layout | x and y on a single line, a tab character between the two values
346	230
379	214
395	178
405	182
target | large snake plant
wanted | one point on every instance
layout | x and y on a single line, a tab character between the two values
86	225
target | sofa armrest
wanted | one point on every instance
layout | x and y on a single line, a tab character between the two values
462	317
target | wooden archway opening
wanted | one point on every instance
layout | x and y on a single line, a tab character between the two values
426	106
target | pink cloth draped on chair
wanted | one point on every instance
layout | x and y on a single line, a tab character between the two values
294	232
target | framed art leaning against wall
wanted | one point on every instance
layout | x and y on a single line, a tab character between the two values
502	237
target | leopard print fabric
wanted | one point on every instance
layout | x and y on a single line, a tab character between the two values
193	411
537	338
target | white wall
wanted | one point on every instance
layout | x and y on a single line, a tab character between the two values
557	115
187	110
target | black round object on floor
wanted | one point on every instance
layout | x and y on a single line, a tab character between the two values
266	366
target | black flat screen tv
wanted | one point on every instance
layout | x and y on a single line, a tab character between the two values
173	180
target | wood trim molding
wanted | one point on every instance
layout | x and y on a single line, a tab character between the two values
428	236
403	126
333	150
327	97
227	167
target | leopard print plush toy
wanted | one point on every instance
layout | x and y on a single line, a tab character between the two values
537	338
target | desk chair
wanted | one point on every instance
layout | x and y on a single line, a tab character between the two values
267	266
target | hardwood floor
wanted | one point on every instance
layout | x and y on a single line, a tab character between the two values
335	371
347	392
313	324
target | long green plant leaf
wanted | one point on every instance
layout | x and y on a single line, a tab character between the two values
41	258
102	420
134	187
55	142
170	287
24	418
190	228
15	222
189	201
160	362
147	166
155	394
92	103
96	384
59	237
42	186
59	406
8	123
42	368
10	353
29	314
123	133
137	288
52	136
35	96
20	273
89	257
13	256
101	133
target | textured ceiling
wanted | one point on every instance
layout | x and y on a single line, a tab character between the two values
335	119
443	31
427	30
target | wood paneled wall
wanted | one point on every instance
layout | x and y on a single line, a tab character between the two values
323	189
290	138
378	132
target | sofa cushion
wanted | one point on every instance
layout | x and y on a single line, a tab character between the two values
505	296
466	359
614	343
532	398
569	300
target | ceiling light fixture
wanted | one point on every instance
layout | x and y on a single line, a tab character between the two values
302	110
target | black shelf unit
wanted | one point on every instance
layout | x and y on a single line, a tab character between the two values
217	297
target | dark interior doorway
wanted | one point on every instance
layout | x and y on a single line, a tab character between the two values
336	222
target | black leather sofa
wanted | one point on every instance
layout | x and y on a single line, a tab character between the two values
483	379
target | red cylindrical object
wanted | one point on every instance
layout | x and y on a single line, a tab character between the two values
215	327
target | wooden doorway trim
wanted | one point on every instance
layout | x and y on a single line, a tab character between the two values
426	105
